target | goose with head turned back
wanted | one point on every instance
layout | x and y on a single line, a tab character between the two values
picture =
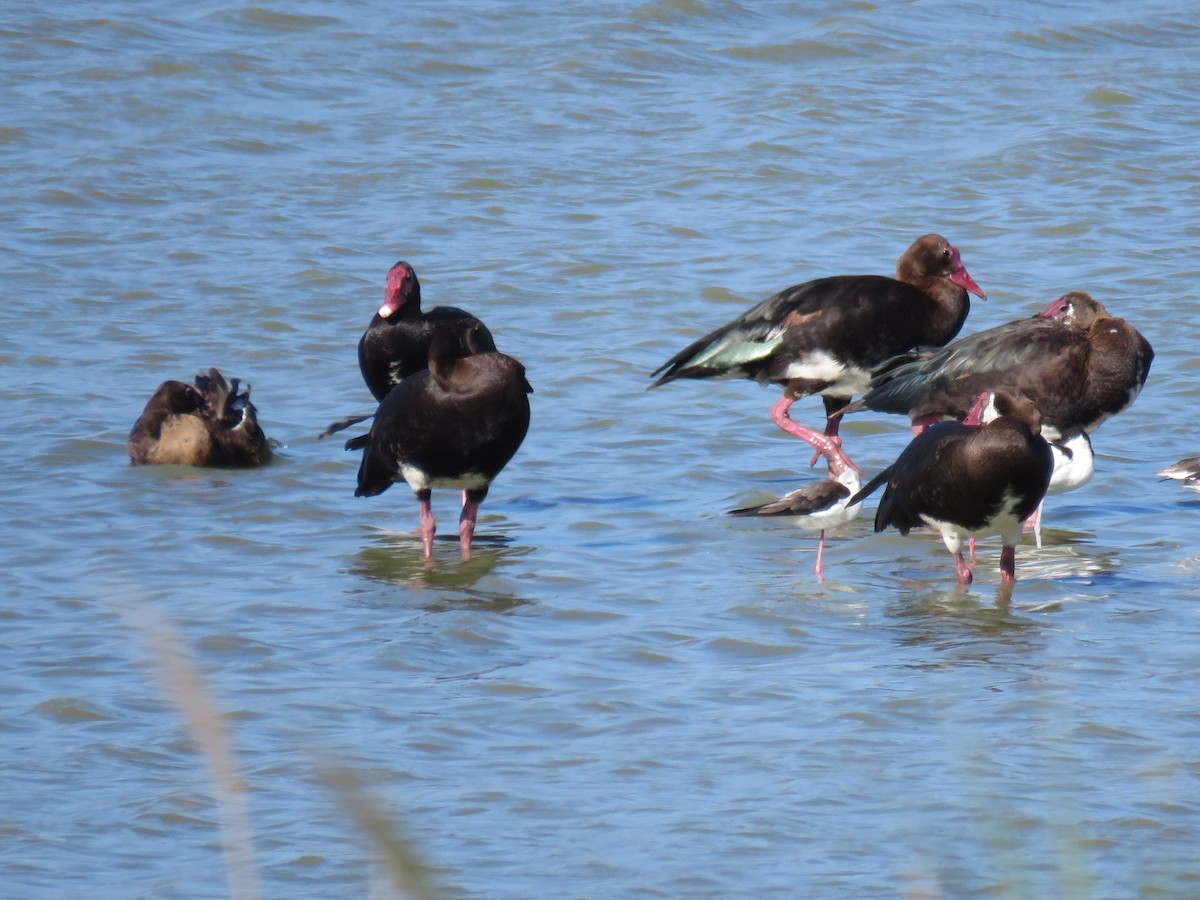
967	480
1074	361
1078	364
206	423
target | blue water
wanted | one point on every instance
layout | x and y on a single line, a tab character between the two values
625	692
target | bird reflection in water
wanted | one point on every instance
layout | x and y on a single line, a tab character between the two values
957	622
387	559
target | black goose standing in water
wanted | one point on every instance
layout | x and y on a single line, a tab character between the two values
826	336
455	424
969	480
207	423
1078	364
397	341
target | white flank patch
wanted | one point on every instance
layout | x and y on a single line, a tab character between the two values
844	379
990	413
952	535
1005	524
420	480
1052	434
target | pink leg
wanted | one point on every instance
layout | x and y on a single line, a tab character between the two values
820	555
1034	524
971	548
1008	564
831	432
961	569
826	445
428	523
466	524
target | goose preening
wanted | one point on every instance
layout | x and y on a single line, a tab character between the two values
206	423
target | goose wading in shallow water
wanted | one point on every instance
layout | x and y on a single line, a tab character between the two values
827	336
206	423
1074	361
455	424
969	480
397	340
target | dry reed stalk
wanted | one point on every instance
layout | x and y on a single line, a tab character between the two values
186	688
407	873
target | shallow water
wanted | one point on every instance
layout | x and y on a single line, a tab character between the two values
625	692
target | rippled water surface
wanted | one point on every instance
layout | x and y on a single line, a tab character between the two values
625	692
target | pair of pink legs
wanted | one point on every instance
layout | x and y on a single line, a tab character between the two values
1008	553
826	443
1008	565
466	521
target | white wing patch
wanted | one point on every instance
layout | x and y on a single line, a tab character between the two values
819	365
